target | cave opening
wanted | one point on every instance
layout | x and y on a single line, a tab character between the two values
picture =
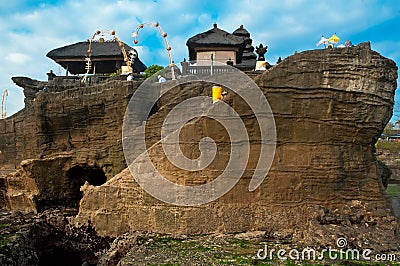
61	257
77	176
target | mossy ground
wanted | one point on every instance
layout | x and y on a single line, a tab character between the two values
216	250
8	234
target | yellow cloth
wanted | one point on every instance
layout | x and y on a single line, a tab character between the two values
216	93
334	38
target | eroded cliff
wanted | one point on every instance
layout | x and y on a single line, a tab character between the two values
329	107
59	141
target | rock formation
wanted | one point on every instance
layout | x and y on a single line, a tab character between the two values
329	106
60	135
31	87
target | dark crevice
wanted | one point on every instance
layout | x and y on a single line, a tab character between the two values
77	176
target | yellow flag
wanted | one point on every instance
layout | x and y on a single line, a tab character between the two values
334	39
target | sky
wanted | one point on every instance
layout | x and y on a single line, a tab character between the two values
30	29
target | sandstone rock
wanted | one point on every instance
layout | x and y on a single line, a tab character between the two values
119	248
251	235
329	107
58	134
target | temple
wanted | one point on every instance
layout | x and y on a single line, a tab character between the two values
218	45
106	57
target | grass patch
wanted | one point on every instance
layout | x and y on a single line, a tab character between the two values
393	191
388	145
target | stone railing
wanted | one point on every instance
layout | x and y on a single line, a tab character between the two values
187	69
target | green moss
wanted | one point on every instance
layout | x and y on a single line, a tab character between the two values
7	238
239	242
171	251
4	239
2	226
8	234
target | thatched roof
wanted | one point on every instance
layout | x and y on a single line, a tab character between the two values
214	38
241	31
106	57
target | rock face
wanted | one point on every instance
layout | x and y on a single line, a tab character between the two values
47	239
31	87
62	140
329	106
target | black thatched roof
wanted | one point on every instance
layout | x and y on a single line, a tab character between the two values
214	38
248	57
79	50
106	56
241	31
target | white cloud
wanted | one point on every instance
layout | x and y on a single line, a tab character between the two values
18	58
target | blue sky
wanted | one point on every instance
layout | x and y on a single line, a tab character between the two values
32	28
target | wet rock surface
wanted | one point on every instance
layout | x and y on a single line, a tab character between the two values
47	239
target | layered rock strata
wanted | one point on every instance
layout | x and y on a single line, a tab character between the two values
59	141
329	106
